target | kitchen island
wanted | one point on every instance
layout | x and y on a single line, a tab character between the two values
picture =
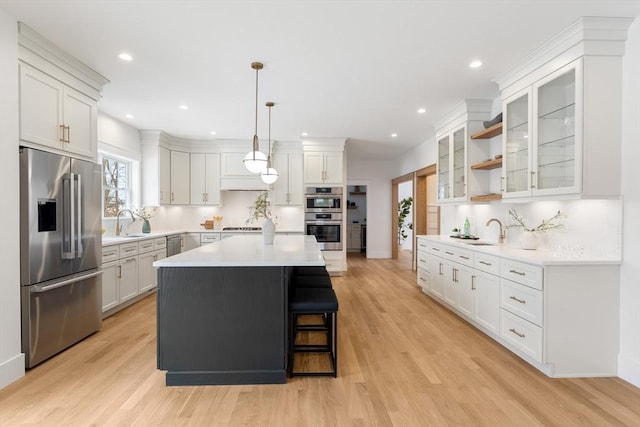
222	309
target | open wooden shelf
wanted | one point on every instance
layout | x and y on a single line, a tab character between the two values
490	132
486	197
488	165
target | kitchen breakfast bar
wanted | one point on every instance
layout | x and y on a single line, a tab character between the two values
222	309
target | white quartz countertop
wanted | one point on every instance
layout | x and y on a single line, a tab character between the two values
116	240
250	251
537	257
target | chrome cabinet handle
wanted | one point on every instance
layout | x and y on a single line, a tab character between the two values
473	282
436	249
119	272
464	257
517	272
448	253
533	179
485	263
521	301
516	332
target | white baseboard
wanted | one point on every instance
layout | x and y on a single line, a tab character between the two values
11	370
629	368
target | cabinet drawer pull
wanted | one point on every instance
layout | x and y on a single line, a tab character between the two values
484	262
521	273
516	332
422	260
448	253
422	279
436	249
127	261
521	301
464	257
422	246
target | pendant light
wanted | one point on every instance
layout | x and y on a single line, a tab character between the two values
269	175
255	161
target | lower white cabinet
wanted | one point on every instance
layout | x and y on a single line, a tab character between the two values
561	316
190	241
334	261
127	271
354	237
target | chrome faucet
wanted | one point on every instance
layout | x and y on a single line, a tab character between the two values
501	236
133	218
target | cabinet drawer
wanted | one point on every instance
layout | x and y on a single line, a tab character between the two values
128	249
145	246
160	243
110	253
526	274
523	335
423	245
206	238
521	300
423	279
487	263
422	260
462	256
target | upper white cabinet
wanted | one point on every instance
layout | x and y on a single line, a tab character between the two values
455	153
205	179
58	98
323	168
562	115
180	191
542	144
164	175
288	189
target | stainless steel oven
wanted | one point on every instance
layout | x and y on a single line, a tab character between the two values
326	227
323	199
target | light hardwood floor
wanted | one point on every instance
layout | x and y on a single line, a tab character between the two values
404	360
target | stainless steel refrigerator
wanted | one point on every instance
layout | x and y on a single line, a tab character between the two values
60	252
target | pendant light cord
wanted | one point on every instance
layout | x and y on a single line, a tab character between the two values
255	135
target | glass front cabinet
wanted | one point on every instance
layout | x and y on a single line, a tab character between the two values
456	153
542	144
452	186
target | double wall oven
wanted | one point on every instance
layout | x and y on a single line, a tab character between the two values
323	216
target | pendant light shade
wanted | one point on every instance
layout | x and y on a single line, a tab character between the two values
269	175
255	161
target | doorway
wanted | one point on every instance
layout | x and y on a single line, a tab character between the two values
356	203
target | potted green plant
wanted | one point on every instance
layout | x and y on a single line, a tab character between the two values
260	209
404	209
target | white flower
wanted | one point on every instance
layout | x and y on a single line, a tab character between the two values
545	225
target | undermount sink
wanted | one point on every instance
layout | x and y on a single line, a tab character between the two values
476	243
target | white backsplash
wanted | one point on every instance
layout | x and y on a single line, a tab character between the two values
591	227
234	212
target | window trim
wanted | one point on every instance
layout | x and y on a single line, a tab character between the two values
129	177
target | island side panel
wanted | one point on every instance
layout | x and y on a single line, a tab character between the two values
222	325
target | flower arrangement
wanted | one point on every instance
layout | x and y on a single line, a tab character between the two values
145	213
545	225
260	208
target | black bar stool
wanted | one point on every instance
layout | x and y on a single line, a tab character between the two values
310	277
319	301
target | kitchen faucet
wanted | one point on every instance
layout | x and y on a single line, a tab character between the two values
501	236
133	218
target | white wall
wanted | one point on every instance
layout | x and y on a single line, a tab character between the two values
629	357
11	357
377	176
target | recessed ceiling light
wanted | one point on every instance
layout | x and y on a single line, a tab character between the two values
422	110
394	135
304	134
183	107
129	116
213	132
125	56
475	64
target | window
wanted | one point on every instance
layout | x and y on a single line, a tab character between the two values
116	185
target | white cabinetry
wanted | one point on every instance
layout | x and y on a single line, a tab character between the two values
559	106
164	176
149	253
235	176
179	178
323	167
354	237
208	238
288	190
543	313
455	153
334	261
58	98
205	179
128	271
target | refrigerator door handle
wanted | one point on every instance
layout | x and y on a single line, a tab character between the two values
78	177
68	207
46	288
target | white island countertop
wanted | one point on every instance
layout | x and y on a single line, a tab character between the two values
250	251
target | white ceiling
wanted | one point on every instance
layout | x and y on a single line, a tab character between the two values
353	69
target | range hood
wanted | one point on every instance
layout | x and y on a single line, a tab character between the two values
250	183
